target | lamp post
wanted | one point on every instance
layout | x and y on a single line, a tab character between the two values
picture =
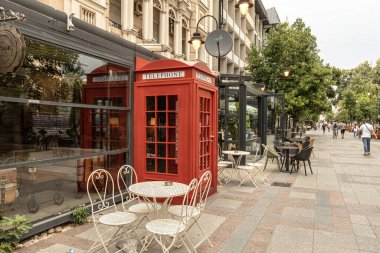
196	40
286	73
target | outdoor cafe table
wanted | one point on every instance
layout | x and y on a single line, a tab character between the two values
300	140
287	148
237	155
159	190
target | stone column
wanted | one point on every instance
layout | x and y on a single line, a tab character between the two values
127	18
163	31
165	24
147	20
150	36
177	36
187	56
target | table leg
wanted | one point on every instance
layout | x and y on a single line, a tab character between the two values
237	163
287	160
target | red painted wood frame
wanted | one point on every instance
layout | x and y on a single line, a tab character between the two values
175	122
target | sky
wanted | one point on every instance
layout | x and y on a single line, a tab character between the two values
347	31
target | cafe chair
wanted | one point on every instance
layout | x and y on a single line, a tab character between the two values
203	189
101	192
312	140
251	170
270	154
223	172
303	156
130	202
292	152
168	232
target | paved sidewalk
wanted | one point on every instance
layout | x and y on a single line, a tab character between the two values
337	209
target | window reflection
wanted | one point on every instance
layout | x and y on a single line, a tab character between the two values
61	114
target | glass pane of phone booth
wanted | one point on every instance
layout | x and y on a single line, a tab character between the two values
162	134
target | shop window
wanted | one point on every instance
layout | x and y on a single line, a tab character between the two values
162	134
63	114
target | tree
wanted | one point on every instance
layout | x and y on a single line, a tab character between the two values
310	86
358	94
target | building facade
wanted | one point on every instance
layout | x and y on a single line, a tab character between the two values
166	26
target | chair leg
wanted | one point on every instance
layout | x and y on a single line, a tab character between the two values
304	166
282	163
204	234
278	163
310	166
266	162
292	166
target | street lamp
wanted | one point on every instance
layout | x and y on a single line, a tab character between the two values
286	72
196	40
244	6
281	96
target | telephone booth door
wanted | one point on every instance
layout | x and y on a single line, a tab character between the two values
207	124
164	122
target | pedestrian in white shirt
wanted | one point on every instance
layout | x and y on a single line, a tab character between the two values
367	130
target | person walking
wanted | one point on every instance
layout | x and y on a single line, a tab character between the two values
342	129
356	131
335	130
324	127
367	130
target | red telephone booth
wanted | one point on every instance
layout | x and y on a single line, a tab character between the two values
175	121
103	128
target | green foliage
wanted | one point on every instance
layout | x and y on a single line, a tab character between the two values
310	83
6	247
358	94
79	215
11	231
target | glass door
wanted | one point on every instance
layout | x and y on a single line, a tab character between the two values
206	135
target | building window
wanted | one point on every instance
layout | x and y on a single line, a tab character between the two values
171	27
87	16
203	22
157	7
185	30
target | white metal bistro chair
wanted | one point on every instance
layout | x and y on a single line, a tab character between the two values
223	171
202	194
101	192
260	168
130	202
168	232
250	171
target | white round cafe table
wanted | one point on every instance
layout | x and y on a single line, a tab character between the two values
159	189
237	155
